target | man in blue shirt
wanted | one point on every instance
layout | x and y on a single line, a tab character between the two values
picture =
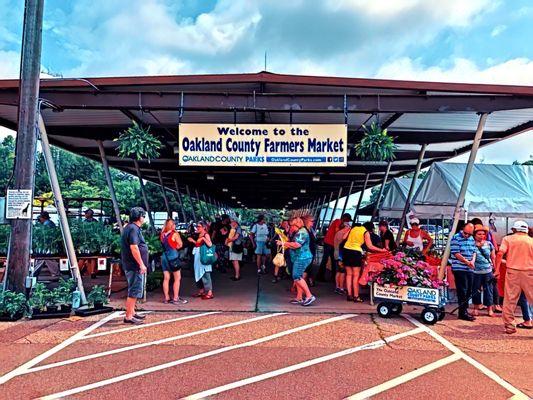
463	258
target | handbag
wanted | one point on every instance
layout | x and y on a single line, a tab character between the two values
173	264
279	259
237	248
208	255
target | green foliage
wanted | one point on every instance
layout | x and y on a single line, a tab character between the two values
62	295
47	240
154	243
92	237
376	145
97	295
7	159
154	281
138	143
12	303
5	231
40	297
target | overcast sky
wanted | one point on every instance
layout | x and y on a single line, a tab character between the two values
453	40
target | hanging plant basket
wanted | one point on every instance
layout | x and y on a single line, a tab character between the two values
376	144
137	142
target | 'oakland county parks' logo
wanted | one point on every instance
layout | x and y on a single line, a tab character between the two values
417	294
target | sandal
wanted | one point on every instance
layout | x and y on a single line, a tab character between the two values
166	301
207	296
510	331
358	300
523	326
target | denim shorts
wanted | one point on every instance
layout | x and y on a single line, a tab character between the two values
169	255
261	248
299	266
135	284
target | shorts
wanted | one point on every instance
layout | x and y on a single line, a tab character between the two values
169	255
235	256
340	266
261	248
135	284
352	258
298	268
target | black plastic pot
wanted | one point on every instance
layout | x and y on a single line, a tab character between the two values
7	317
51	312
87	312
98	306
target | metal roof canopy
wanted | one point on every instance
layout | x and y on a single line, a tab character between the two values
77	112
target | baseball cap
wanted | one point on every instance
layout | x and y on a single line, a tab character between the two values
415	221
520	226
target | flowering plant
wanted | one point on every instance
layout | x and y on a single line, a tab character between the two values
402	270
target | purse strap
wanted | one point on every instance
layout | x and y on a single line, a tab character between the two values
281	249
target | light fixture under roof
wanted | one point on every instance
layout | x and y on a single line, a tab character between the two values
289	202
303	191
316	178
210	177
295	198
233	198
224	190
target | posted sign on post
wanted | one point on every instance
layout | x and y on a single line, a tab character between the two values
272	145
19	204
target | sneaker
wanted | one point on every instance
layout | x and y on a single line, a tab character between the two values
179	301
139	316
309	301
263	269
295	301
339	291
133	321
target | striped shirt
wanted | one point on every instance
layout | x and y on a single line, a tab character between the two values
466	247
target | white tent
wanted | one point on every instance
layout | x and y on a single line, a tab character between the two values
396	196
497	190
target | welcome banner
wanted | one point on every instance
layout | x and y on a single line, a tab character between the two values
272	145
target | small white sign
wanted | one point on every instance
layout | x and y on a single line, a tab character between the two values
19	204
64	264
102	264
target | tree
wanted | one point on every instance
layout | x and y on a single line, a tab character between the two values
7	159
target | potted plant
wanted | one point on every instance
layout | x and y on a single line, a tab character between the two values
376	144
12	305
62	295
97	297
39	299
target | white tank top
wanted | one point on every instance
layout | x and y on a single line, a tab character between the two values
417	241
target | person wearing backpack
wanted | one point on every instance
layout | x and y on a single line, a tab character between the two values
170	262
204	257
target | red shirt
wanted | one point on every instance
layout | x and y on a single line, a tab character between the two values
332	230
171	241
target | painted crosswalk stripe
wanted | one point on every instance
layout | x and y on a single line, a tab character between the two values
271	374
147	344
368	393
453	348
77	336
196	357
131	328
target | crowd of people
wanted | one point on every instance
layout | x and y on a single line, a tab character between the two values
477	262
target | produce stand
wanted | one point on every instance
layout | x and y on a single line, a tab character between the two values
392	297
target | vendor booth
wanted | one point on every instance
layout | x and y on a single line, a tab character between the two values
395	198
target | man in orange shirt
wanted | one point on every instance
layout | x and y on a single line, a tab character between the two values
329	248
518	249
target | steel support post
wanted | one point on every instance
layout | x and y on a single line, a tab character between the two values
62	213
204	215
110	185
326	212
347	198
208	209
26	142
381	190
461	198
144	195
360	198
180	201
411	192
335	206
191	202
164	193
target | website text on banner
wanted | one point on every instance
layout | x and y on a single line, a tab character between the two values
273	145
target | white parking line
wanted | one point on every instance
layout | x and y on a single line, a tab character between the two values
368	393
130	328
271	374
450	346
193	358
27	365
147	344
